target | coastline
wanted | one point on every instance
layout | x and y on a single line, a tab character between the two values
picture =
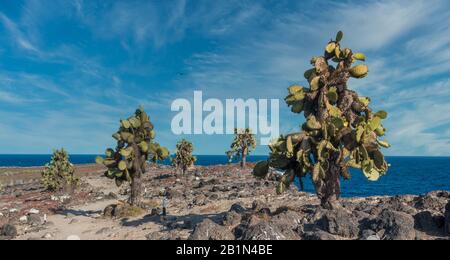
401	180
220	202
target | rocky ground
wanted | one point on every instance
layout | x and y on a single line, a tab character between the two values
220	202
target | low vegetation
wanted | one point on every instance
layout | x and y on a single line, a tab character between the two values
59	173
184	157
243	144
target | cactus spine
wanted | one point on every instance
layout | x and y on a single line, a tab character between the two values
340	131
59	173
243	144
135	146
183	158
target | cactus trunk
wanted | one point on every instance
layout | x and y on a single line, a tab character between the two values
244	157
136	196
329	189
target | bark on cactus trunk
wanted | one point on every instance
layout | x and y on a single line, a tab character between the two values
329	189
136	196
244	158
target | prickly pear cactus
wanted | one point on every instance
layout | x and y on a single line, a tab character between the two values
243	144
135	146
183	158
158	153
59	173
341	130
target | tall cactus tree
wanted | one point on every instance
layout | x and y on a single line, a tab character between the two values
59	173
243	144
341	130
183	158
135	146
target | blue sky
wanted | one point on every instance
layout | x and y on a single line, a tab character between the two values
70	69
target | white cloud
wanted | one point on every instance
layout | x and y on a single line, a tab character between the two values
374	25
138	22
10	98
264	63
17	35
255	51
410	129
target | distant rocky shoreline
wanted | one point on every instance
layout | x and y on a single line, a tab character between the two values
215	202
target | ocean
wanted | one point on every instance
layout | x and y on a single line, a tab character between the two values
408	175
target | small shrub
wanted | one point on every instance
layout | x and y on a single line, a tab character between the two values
59	173
183	158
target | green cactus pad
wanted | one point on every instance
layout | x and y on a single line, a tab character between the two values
261	169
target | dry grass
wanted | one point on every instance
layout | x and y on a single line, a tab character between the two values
128	211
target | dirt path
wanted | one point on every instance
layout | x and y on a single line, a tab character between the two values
86	221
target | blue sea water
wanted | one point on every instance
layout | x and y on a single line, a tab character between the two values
408	175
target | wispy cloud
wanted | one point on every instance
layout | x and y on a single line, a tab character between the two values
16	35
76	67
388	31
10	98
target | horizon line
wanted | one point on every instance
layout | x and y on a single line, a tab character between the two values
93	154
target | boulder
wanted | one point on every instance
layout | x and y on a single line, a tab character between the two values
396	225
400	203
158	235
156	212
339	222
199	200
33	211
259	205
209	230
287	219
447	219
35	220
369	235
431	201
268	231
318	235
238	208
112	196
213	196
172	193
233	196
8	231
429	223
109	211
23	219
232	219
215	189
